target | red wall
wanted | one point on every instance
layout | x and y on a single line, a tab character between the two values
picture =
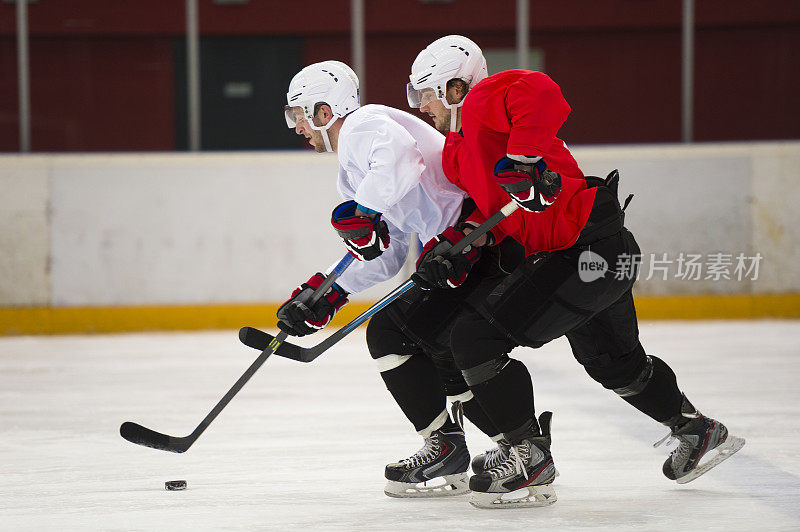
101	72
92	93
100	93
159	17
626	90
9	110
748	83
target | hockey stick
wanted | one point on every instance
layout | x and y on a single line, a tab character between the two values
140	435
258	339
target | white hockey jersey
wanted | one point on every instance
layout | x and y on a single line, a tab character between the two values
391	162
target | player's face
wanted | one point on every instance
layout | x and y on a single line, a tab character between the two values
440	114
303	128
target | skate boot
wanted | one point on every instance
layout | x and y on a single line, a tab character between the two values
696	437
523	479
491	458
439	469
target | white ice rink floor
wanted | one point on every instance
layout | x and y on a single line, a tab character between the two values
303	446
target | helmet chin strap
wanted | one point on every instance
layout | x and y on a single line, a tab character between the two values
453	112
324	131
327	140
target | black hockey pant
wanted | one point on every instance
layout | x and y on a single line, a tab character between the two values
410	341
554	295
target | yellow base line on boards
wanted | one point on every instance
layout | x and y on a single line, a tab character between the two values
725	307
71	320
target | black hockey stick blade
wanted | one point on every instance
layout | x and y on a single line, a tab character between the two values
135	433
258	339
140	435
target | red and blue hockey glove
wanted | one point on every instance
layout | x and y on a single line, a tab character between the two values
297	318
531	185
365	238
436	269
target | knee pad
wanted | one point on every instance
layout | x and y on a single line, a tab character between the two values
627	373
453	381
639	382
475	341
485	371
455	386
384	338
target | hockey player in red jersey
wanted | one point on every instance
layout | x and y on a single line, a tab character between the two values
501	142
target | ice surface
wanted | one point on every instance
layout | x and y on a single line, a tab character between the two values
303	446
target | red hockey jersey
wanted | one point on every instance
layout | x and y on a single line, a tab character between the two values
518	112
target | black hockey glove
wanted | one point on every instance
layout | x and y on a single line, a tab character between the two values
365	238
531	185
434	269
298	319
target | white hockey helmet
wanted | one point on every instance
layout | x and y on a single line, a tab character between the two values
450	57
330	82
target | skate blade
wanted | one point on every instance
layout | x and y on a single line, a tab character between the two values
724	451
446	486
529	497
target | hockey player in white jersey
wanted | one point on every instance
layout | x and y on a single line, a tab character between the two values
391	178
389	174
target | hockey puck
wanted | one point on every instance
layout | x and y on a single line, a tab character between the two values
175	485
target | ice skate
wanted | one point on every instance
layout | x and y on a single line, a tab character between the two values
439	469
491	458
523	479
696	438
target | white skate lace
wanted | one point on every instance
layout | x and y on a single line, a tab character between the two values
495	457
428	452
458	413
681	452
515	463
669	438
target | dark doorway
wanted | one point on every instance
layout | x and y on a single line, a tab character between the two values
243	82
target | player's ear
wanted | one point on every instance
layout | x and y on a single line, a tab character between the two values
456	91
325	113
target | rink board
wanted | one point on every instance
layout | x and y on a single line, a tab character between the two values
105	242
